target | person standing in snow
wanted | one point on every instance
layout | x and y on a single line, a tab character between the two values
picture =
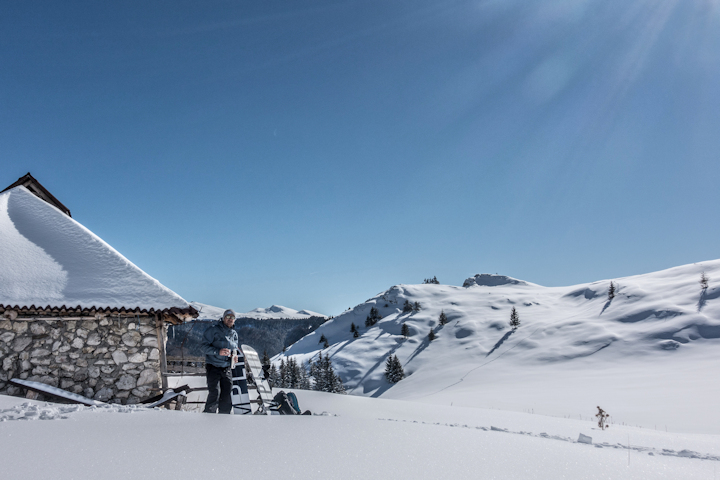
219	343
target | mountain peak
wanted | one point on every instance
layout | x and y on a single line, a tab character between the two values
490	280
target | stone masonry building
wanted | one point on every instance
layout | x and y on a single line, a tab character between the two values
75	313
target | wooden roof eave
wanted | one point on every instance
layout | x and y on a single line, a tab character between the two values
174	315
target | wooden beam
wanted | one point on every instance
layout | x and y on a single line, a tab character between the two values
160	329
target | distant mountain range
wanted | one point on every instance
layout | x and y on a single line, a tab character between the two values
209	312
265	329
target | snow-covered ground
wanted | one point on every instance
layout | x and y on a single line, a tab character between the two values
209	312
348	437
648	356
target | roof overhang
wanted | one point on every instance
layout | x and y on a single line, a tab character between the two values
172	315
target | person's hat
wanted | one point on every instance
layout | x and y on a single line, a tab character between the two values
228	312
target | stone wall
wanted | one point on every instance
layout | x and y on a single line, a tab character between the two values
111	359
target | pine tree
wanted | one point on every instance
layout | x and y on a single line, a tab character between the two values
293	374
274	377
416	307
443	318
325	378
389	369
312	368
287	374
399	371
407	307
317	372
336	382
431	335
354	330
304	379
393	369
265	358
514	319
284	374
611	291
405	330
373	318
298	374
703	281
322	339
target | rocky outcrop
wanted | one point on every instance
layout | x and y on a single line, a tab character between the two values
489	280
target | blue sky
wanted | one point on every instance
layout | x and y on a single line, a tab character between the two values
312	154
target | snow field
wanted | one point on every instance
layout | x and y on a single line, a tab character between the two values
358	438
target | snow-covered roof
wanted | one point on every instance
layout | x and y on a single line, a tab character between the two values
31	183
49	260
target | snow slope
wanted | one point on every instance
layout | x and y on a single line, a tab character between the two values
648	357
353	437
49	259
209	312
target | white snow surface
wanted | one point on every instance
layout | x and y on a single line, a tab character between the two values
348	437
648	357
209	312
49	259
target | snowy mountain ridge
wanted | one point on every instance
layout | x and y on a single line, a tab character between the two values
278	312
575	346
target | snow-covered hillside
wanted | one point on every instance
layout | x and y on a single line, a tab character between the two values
209	312
649	356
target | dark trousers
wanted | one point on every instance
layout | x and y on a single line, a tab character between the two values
218	377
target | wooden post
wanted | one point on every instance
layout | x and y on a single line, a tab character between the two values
160	329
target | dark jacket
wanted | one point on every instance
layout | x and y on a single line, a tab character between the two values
217	337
